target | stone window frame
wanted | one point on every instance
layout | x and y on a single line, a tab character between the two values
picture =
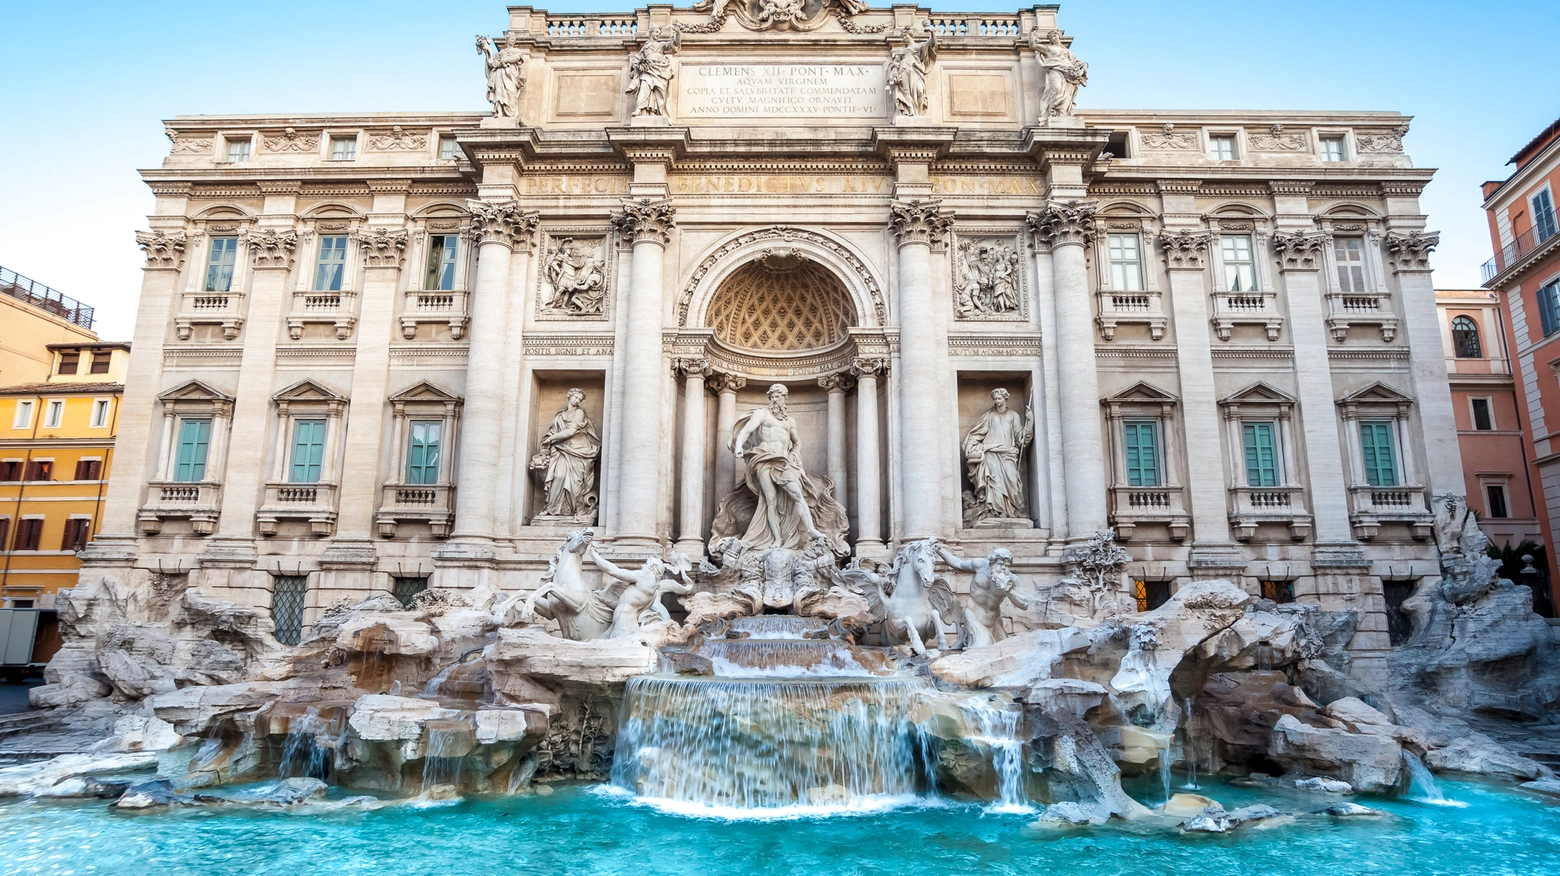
328	140
1404	501
1351	153
1139	402
316	501
1120	307
1235	133
432	503
421	305
1240	218
331	307
1261	402
196	305
198	501
224	138
1350	220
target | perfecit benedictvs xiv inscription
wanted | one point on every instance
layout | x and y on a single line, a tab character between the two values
825	90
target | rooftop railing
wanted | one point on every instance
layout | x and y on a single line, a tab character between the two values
1513	252
48	300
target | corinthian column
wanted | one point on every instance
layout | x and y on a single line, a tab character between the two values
918	224
869	465
1409	255
690	531
1068	227
502	232
647	223
725	387
835	385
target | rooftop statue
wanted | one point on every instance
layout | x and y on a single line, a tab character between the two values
650	71
505	76
905	73
1064	74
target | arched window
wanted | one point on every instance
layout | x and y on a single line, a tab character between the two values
1465	338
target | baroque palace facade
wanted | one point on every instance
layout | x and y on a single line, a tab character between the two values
359	335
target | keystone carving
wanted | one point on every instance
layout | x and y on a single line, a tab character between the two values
919	221
646	219
162	250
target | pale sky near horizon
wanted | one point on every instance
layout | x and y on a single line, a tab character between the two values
89	83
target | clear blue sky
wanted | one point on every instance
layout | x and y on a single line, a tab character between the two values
87	85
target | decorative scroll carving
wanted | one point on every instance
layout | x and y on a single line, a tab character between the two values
1169	139
1411	251
720	381
291	141
646	219
1064	75
692	366
162	250
1367	141
1065	223
505	76
272	249
187	144
1185	249
905	73
383	247
502	222
839	381
397	140
1277	141
986	278
800	306
794	15
918	221
575	278
650	71
787	236
869	366
1300	251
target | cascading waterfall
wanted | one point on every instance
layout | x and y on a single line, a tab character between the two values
442	763
1164	770
1421	784
783	658
995	725
302	754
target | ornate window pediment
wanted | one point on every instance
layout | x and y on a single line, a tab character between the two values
309	391
195	392
1377	393
1259	393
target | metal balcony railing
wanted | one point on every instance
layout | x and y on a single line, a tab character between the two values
50	301
1513	252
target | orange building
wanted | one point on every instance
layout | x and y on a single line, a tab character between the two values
56	450
1525	275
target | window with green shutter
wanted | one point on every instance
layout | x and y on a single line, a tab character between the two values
1141	439
422	452
190	459
1261	454
308	451
1380	455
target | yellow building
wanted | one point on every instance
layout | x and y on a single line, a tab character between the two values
56	450
33	316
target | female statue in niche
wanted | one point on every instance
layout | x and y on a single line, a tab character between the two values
992	450
568	456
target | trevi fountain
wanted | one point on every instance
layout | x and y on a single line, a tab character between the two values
1018	536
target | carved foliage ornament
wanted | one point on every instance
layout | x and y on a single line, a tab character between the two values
502	222
719	382
1300	251
1411	251
272	249
796	15
1277	141
291	141
383	247
1169	139
162	250
645	219
1380	141
919	221
692	367
1185	249
869	366
397	139
1065	223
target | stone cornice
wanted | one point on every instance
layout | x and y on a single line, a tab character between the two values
919	222
503	223
647	220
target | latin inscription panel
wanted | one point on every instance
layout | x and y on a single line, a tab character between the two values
781	91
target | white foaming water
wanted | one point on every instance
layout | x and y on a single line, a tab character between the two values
778	626
995	725
1421	784
782	658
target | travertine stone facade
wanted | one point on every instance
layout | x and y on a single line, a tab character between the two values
1222	322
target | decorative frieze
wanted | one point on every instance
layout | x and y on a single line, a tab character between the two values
183	145
919	222
1065	223
1301	250
1369	141
503	223
648	220
1275	140
1168	139
568	345
383	247
162	250
1185	250
397	140
291	141
272	249
994	345
1410	252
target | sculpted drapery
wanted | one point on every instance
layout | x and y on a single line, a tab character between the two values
568	456
993	450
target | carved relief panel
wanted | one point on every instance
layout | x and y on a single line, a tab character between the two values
572	279
988	276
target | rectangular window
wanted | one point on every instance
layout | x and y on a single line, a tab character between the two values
287	597
1279	591
343	148
238	150
10	470
406	589
1483	419
422	452
448	149
29	534
1380	455
5	531
308	451
1240	267
69	362
331	265
53	413
1495	501
219	264
1332	148
1543	216
1349	253
194	440
1126	263
1141	440
1150	594
1221	147
77	531
1549	308
441	261
100	362
40	470
99	413
89	469
1261	454
24	414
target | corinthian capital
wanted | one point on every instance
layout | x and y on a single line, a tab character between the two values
919	221
162	250
503	223
1411	251
645	219
271	248
1064	223
1300	250
1185	249
383	247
